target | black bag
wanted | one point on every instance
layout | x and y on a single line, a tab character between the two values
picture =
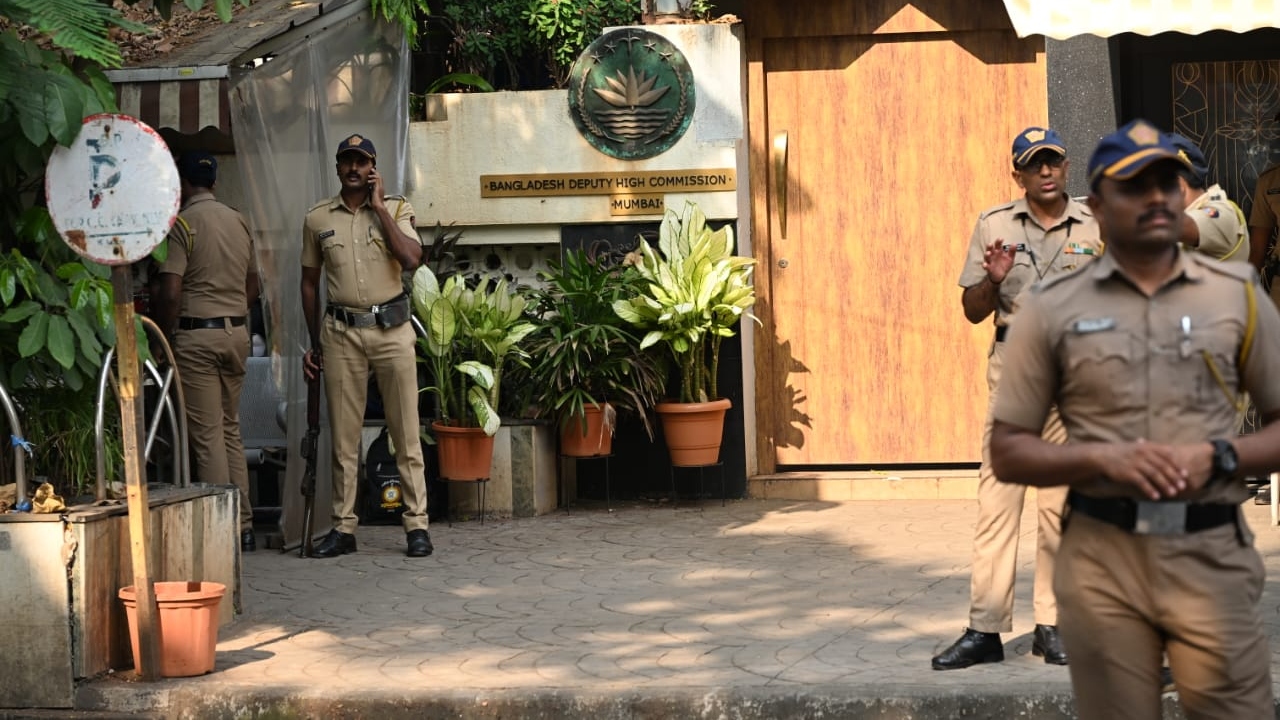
383	495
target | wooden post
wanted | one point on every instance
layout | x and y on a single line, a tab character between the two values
148	613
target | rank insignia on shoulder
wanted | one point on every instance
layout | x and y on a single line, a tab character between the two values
1078	249
1211	212
325	234
1093	325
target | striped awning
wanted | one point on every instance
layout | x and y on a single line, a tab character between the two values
183	104
1061	19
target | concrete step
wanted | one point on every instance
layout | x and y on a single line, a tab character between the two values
837	486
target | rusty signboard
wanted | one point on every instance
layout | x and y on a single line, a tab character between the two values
113	194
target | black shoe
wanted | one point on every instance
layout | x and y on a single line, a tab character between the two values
1048	644
1166	680
972	648
334	544
419	544
248	543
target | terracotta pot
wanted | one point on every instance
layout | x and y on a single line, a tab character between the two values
466	453
596	441
188	625
693	431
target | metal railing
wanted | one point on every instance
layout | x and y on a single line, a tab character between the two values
19	444
176	412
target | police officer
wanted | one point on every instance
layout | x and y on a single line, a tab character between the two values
1145	353
206	285
1262	226
1014	245
363	241
1212	223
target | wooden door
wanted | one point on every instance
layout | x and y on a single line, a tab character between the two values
896	121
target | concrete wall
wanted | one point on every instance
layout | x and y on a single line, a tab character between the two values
532	132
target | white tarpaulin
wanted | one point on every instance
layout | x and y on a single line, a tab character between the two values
290	113
1061	19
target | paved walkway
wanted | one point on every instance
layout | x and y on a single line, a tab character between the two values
757	609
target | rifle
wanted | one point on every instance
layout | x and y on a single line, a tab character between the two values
310	441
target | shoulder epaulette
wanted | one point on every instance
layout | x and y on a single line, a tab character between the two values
182	233
1244	272
998	208
320	204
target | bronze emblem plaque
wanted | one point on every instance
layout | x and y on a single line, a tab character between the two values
631	94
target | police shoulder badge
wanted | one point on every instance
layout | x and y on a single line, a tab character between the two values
631	94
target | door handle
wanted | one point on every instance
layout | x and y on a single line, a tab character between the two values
779	156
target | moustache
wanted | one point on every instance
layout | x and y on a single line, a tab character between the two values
1153	214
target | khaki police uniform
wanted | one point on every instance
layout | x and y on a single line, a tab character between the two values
1223	235
211	248
1266	209
1041	253
361	273
1121	366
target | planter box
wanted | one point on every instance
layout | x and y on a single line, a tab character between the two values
522	480
60	575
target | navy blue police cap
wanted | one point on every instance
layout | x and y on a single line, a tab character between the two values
1033	140
357	143
1130	150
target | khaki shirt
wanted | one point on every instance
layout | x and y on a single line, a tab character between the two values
211	248
1041	252
1119	366
359	267
1223	235
1266	199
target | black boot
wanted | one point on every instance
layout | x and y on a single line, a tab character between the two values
334	544
972	648
1048	644
419	544
248	543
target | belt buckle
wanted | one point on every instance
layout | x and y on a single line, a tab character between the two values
1160	518
363	320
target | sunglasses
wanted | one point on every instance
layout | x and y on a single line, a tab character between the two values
1048	157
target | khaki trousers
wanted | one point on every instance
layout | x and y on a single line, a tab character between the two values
995	537
349	354
1125	598
211	367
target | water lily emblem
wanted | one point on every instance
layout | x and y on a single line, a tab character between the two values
631	91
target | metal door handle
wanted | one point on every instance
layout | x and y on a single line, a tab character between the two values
779	157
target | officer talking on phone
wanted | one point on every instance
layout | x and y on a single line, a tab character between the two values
364	240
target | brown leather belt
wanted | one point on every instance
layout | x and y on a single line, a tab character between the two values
189	323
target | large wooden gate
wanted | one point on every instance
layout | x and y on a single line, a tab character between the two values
879	129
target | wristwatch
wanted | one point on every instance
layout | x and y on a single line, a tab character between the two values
1225	460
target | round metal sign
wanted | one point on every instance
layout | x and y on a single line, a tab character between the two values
631	94
113	194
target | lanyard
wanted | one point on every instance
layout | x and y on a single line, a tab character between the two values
1026	240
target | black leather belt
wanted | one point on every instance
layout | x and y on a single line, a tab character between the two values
188	323
1143	517
390	313
1001	331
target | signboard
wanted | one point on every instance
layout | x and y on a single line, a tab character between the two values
636	182
113	194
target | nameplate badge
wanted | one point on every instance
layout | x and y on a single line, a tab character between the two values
325	234
1094	325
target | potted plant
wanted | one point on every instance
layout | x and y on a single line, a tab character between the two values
693	294
471	334
589	363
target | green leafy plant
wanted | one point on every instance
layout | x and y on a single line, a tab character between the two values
584	354
564	28
471	335
694	293
488	38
